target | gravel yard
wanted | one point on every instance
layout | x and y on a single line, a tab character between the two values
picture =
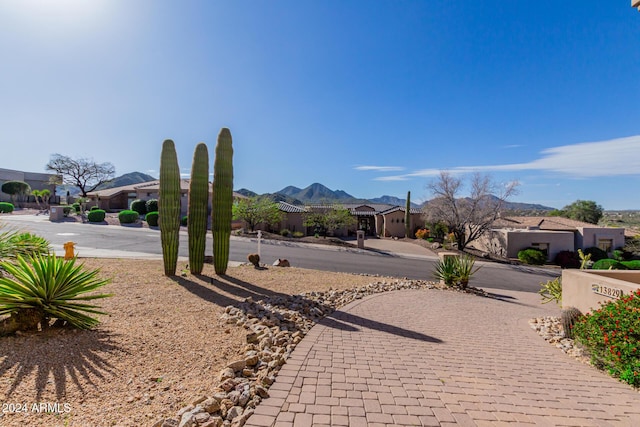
161	345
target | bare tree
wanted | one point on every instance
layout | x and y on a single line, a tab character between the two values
85	174
467	217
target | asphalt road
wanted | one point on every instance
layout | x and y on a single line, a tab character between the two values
320	257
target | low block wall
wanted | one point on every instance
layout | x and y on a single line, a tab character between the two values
584	289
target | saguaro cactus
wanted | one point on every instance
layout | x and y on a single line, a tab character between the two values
222	201
169	206
407	216
198	203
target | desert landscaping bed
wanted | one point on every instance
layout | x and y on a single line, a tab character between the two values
162	345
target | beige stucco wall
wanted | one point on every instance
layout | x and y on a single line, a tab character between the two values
589	236
578	287
558	241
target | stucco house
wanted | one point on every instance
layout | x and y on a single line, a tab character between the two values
374	218
510	235
119	198
36	180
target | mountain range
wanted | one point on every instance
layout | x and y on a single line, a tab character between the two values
315	193
318	193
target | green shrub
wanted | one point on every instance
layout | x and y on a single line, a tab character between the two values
297	234
94	208
184	220
608	264
596	253
152	205
139	206
612	337
152	219
66	210
96	215
618	255
76	207
285	233
567	259
632	265
128	217
532	256
6	207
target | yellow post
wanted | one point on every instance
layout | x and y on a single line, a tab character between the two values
68	250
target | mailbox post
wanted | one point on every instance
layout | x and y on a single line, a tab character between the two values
360	238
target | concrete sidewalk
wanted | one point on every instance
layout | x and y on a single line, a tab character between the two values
439	358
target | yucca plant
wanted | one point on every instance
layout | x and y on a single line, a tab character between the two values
41	287
13	243
445	271
465	269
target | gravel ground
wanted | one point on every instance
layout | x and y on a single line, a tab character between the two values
160	345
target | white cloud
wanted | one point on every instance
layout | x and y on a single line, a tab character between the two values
380	168
512	146
614	157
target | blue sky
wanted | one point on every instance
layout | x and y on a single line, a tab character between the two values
372	97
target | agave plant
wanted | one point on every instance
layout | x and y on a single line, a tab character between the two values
13	243
455	270
445	271
465	269
42	287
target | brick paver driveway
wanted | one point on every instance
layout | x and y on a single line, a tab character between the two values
440	358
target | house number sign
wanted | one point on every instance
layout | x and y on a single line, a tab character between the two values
606	291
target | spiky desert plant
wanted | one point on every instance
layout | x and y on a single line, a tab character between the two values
222	201
569	316
407	216
169	206
42	287
198	203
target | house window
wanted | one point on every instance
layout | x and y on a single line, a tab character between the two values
605	244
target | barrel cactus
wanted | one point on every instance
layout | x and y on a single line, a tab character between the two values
222	201
569	317
407	216
198	203
169	206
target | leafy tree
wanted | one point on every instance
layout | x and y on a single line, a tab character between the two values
15	189
327	220
467	217
583	210
85	174
257	210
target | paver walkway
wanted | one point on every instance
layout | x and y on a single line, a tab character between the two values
440	358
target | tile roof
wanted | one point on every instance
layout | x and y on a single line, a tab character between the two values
289	208
552	223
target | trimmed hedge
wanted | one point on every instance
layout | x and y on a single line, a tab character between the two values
128	217
532	256
96	215
6	207
631	265
139	206
184	220
152	205
152	219
608	264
